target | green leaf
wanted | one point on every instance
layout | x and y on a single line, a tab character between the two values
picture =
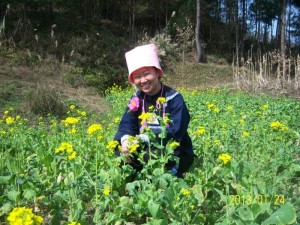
4	179
286	214
245	213
159	222
153	208
29	194
13	195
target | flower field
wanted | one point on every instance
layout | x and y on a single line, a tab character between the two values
247	169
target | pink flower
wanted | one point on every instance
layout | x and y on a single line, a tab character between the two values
134	104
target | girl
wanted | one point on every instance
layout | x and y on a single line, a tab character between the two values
145	73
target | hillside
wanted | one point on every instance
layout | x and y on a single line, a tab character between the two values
21	82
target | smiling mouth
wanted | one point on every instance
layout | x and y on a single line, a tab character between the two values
146	86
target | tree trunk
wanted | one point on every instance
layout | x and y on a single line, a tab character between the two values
282	37
131	21
236	15
244	28
197	33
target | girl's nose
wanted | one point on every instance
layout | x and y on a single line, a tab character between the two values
143	79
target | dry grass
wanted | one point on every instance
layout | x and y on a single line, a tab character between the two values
270	72
188	74
21	83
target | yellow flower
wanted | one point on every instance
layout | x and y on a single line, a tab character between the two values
266	106
73	131
166	120
133	144
74	223
106	190
200	131
82	113
70	121
21	215
216	109
6	112
174	144
161	101
117	120
245	134
279	126
217	142
146	117
185	192
94	128
225	158
210	105
72	107
9	120
68	149
242	121
72	155
112	145
151	107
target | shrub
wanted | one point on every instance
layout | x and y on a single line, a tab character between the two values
46	100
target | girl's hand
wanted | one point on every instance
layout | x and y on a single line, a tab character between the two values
124	149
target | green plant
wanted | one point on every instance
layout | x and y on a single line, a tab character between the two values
45	100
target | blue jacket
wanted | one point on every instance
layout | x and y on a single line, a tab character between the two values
175	109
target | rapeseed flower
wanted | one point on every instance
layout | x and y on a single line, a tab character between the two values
146	117
245	134
200	131
117	120
225	158
73	131
151	107
264	107
133	144
106	190
210	105
74	223
166	120
161	101
23	216
111	145
185	192
94	128
72	155
72	107
10	120
276	125
67	148
70	121
82	113
174	144
216	109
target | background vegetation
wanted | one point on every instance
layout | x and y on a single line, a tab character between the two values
93	35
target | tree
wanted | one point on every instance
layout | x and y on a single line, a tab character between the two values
282	36
197	33
236	17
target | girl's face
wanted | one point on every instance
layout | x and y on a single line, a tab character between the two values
146	79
